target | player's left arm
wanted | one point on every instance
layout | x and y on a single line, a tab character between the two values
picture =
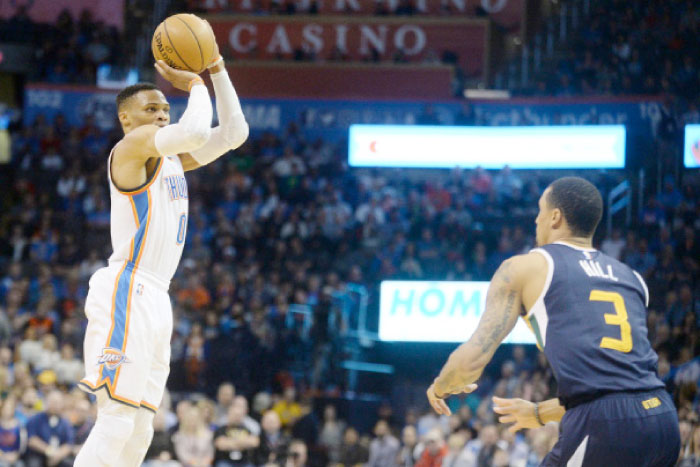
467	362
233	129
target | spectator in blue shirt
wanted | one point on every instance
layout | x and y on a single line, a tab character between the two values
50	436
13	438
641	259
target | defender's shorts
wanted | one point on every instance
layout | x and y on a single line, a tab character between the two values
127	341
621	429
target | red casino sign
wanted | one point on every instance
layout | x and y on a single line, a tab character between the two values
416	40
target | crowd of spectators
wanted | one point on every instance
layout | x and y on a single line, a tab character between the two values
285	224
72	49
637	48
630	48
313	7
68	51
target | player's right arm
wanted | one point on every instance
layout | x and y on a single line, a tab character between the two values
191	132
513	289
232	130
522	413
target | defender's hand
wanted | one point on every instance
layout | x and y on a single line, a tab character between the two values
517	411
178	78
437	402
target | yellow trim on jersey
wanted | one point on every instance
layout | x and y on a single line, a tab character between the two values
148	406
110	392
145	232
133	272
537	337
114	307
651	403
126	328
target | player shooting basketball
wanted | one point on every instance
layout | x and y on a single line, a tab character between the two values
588	313
127	342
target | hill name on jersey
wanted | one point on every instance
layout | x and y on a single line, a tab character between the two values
594	269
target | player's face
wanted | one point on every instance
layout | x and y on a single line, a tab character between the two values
146	108
541	221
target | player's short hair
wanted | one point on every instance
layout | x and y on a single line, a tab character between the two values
580	203
129	91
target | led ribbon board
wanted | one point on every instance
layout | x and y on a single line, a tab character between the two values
439	311
691	149
523	147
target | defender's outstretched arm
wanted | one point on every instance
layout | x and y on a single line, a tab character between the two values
503	306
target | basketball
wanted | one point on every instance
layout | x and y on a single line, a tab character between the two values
185	42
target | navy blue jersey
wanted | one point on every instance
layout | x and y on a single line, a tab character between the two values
591	323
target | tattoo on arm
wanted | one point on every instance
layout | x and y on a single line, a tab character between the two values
501	314
503	304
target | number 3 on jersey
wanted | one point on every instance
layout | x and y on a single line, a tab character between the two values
182	229
624	344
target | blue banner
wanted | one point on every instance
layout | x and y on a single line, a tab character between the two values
331	119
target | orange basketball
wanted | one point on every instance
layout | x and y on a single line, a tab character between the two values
185	42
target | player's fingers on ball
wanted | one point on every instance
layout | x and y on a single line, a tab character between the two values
166	68
163	74
161	67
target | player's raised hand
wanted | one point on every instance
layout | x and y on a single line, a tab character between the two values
180	79
216	53
517	411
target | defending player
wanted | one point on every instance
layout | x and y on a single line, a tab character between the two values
127	342
588	313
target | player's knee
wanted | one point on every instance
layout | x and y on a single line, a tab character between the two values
114	430
143	427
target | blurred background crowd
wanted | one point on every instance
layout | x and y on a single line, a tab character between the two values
283	235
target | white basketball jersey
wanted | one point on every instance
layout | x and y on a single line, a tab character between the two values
148	224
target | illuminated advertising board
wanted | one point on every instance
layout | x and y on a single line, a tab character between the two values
520	147
691	148
437	311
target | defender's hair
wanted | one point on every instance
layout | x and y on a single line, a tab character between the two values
580	203
132	90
